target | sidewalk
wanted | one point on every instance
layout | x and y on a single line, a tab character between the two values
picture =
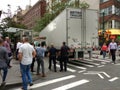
14	76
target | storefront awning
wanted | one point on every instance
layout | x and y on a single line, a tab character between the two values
113	31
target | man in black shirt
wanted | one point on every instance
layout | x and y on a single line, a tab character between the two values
52	56
64	57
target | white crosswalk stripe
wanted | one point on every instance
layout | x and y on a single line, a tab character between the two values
92	63
49	82
79	67
69	69
71	85
101	60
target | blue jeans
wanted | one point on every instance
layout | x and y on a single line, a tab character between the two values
104	54
26	75
5	71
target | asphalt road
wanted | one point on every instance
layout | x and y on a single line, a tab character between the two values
94	74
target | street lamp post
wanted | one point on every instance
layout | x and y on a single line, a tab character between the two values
103	22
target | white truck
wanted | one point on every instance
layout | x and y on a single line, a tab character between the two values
77	27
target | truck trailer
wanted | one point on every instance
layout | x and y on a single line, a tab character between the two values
77	27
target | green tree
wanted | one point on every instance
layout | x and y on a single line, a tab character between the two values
8	22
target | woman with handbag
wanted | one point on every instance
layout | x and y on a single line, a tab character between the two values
104	50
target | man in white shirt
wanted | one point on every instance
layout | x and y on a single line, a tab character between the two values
26	53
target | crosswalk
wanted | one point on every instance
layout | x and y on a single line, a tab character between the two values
88	63
58	80
81	65
73	67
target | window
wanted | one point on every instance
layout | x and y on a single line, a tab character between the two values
107	11
117	24
102	1
117	11
118	0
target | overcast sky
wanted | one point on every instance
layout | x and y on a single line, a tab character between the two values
14	4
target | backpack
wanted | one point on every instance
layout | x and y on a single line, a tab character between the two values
38	52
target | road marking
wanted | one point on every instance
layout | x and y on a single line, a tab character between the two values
117	64
101	66
113	79
98	73
81	71
101	60
106	74
92	72
100	76
92	63
49	82
77	66
69	69
87	65
71	85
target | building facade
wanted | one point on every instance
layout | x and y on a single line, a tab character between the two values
109	14
34	13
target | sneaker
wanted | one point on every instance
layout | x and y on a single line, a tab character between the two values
30	84
3	83
43	75
49	68
61	70
32	71
114	62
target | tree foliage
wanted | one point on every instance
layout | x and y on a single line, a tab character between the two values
8	22
54	9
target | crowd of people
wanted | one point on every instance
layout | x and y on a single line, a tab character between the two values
27	54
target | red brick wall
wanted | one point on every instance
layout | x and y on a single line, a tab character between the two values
107	4
36	12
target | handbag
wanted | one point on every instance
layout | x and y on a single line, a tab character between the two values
101	52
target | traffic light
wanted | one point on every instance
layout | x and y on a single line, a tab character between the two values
0	13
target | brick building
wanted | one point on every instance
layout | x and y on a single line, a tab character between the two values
109	14
34	13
